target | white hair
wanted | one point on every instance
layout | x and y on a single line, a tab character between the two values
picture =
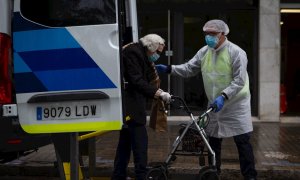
152	41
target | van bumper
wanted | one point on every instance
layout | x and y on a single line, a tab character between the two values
13	138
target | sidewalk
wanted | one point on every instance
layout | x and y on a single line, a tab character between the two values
276	149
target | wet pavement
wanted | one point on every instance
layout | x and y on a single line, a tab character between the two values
276	149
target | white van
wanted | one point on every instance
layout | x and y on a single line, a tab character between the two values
62	72
67	68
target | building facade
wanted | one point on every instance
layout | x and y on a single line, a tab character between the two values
255	25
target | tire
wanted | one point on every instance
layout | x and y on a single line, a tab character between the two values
156	174
207	173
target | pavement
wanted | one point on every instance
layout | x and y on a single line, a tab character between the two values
276	149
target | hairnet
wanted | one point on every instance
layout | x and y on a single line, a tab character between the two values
216	25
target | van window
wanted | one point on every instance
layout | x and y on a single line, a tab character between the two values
61	13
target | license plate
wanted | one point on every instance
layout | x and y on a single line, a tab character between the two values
67	112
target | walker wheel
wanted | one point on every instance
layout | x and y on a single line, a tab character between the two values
156	174
207	173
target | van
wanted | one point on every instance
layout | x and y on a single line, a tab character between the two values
60	64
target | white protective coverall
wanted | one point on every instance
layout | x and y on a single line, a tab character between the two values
224	70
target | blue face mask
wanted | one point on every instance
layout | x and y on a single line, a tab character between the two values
211	41
154	57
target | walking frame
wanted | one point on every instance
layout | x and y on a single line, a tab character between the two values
193	139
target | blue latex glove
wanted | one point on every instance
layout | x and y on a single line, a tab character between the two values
218	103
160	68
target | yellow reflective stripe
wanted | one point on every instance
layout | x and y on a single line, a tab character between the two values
72	127
206	64
217	75
223	63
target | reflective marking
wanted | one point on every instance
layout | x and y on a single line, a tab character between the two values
45	39
19	65
73	127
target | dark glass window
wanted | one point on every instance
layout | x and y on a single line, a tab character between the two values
60	13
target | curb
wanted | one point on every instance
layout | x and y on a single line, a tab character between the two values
228	173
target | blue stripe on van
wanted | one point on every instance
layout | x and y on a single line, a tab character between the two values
28	82
58	70
58	59
45	39
74	79
19	65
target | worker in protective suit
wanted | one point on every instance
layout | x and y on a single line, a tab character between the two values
224	70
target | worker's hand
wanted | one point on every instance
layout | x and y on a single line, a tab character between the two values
161	68
165	96
218	103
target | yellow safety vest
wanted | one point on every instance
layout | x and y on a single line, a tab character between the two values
217	74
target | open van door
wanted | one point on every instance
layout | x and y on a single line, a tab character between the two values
67	65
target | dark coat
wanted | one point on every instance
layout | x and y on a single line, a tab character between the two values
137	72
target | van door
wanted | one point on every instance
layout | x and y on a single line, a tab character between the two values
67	65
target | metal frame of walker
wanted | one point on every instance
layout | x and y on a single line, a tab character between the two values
160	172
171	156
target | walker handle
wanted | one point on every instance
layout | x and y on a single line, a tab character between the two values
210	109
173	98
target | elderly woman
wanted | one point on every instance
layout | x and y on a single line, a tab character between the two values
139	72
